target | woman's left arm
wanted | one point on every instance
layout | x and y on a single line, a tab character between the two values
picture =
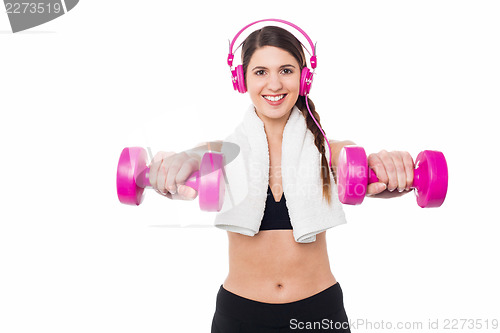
336	147
393	169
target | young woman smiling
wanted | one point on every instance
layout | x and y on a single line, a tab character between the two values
276	284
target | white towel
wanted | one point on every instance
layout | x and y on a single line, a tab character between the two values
247	180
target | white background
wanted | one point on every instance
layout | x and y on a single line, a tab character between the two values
395	75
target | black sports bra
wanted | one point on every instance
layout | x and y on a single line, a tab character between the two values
275	214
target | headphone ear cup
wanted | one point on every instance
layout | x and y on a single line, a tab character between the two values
239	83
305	81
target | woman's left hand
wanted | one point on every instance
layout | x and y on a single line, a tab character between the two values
395	173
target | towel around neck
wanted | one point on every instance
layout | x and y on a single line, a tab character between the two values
247	180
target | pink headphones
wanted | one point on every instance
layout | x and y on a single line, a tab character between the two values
238	76
306	77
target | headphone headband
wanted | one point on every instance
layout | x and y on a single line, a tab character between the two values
313	48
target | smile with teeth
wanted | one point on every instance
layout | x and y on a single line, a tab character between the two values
274	98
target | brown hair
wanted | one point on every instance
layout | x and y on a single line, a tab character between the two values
281	38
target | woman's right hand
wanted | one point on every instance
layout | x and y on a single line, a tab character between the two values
169	171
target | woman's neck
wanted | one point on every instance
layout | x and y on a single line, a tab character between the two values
274	133
273	127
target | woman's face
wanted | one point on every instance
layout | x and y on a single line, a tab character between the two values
273	81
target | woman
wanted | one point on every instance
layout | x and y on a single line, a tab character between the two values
276	284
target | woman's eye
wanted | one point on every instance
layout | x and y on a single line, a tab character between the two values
287	71
260	72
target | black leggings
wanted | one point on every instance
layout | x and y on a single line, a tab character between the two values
322	312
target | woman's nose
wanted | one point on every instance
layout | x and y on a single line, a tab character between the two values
274	82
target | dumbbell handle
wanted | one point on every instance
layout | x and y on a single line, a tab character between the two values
193	181
372	178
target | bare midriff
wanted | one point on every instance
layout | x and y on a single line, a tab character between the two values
271	267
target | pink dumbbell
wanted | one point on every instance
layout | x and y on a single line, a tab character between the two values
430	177
132	177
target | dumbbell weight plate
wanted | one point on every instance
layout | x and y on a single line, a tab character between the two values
430	178
132	163
352	174
212	187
